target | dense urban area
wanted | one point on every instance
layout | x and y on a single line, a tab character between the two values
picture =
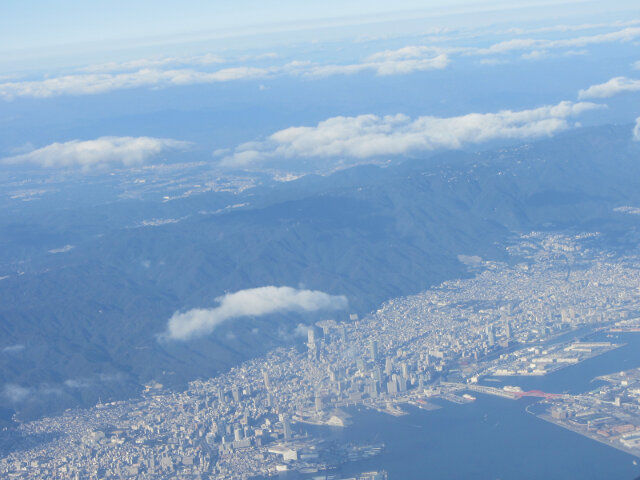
525	317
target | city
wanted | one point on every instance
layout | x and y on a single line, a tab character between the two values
526	317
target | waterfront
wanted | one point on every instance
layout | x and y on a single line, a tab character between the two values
579	378
494	438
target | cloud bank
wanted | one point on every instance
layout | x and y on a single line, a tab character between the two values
102	81
366	136
191	70
608	89
206	59
382	66
97	153
251	302
96	83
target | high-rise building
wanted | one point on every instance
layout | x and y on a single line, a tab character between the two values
343	333
507	329
286	426
402	384
373	350
235	393
318	403
267	382
311	343
388	366
373	388
392	387
490	337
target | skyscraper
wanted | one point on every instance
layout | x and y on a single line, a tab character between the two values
286	426
388	366
490	337
235	392
373	350
311	343
267	382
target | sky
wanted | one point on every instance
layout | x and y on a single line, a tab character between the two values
41	28
290	87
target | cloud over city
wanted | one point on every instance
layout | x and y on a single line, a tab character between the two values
251	302
98	153
367	136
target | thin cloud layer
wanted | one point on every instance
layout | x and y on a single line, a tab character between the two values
97	153
207	59
613	87
251	302
389	66
367	136
636	130
15	393
96	83
192	70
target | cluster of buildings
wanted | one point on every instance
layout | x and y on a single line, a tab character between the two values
610	413
249	422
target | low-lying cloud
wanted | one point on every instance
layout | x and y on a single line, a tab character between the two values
15	393
191	70
96	83
382	66
13	348
367	136
610	88
246	303
636	130
97	153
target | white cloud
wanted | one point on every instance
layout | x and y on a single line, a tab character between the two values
95	83
628	209
97	153
251	302
636	130
15	393
206	59
367	136
78	383
65	249
571	28
507	46
613	87
13	348
383	67
181	71
624	35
